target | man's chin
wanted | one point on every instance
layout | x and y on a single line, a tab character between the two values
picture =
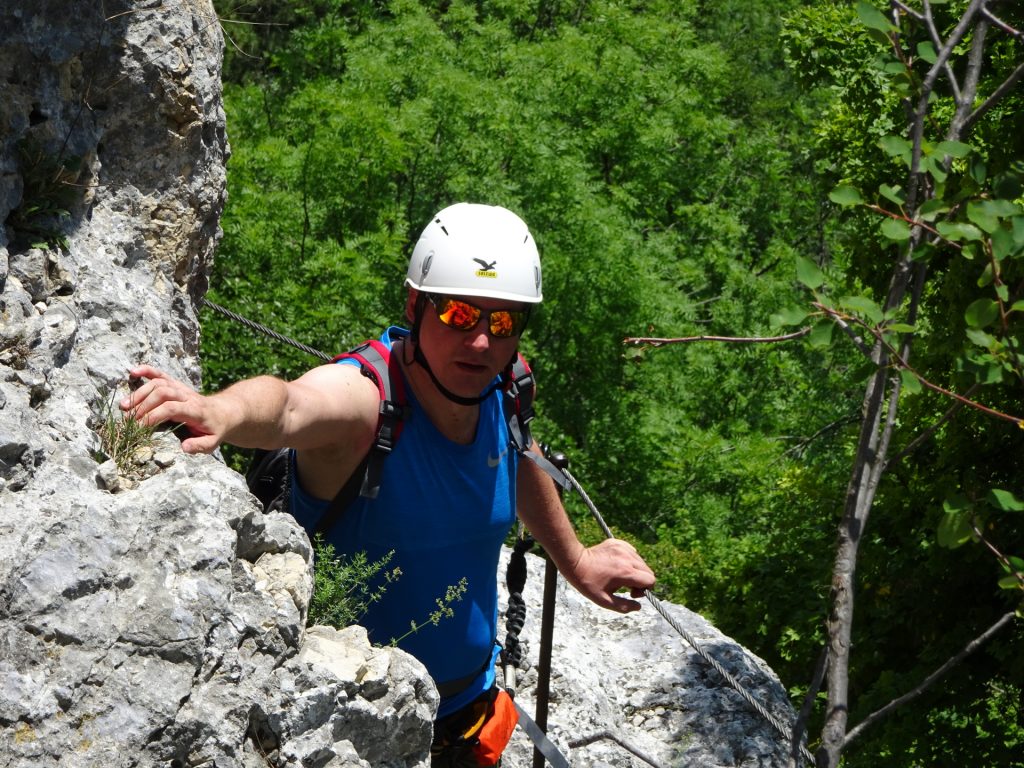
469	386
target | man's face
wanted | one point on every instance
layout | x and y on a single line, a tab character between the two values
466	361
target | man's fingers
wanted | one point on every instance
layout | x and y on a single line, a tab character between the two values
147	372
202	444
158	398
624	604
148	400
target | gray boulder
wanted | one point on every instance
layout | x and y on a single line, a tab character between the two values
628	685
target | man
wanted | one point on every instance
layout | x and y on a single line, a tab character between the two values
451	488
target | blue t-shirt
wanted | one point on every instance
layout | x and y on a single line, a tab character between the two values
445	510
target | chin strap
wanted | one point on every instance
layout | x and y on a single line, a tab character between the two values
420	358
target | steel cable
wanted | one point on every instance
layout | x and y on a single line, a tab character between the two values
263	329
726	675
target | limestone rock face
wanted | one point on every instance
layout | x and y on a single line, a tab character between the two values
634	679
150	616
150	613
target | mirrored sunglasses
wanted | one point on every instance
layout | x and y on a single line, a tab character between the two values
463	316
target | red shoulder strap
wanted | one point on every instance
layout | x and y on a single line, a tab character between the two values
376	362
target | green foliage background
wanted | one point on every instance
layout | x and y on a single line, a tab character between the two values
672	159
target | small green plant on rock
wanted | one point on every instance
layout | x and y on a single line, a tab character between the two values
50	190
343	587
121	435
444	610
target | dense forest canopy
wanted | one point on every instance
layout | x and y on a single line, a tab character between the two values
731	169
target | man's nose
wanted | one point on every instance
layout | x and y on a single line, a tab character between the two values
478	339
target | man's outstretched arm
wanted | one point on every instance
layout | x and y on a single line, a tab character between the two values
263	412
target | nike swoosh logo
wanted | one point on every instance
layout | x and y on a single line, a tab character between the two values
493	462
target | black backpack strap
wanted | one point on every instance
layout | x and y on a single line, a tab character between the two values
518	406
348	493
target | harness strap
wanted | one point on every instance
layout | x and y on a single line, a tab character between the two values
519	393
450	688
377	364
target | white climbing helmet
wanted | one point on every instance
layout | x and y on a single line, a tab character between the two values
470	249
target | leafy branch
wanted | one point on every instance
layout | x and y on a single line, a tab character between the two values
900	363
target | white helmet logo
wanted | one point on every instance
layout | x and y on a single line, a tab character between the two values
426	265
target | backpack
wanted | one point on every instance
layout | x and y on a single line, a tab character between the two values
269	475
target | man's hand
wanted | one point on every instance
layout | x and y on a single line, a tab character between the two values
162	398
604	569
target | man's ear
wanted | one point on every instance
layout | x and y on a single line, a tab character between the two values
410	305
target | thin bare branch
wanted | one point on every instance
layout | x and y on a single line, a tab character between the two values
904	8
921	438
933	678
846	328
805	441
997	22
253	23
808	706
1003	559
639	341
995	97
236	46
933	33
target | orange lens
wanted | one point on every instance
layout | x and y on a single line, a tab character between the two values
502	323
458	314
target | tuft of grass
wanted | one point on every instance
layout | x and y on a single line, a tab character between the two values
121	435
343	588
50	191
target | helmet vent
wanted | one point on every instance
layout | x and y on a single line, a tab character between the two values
444	230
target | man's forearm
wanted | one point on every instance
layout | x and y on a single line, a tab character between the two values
598	572
253	412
